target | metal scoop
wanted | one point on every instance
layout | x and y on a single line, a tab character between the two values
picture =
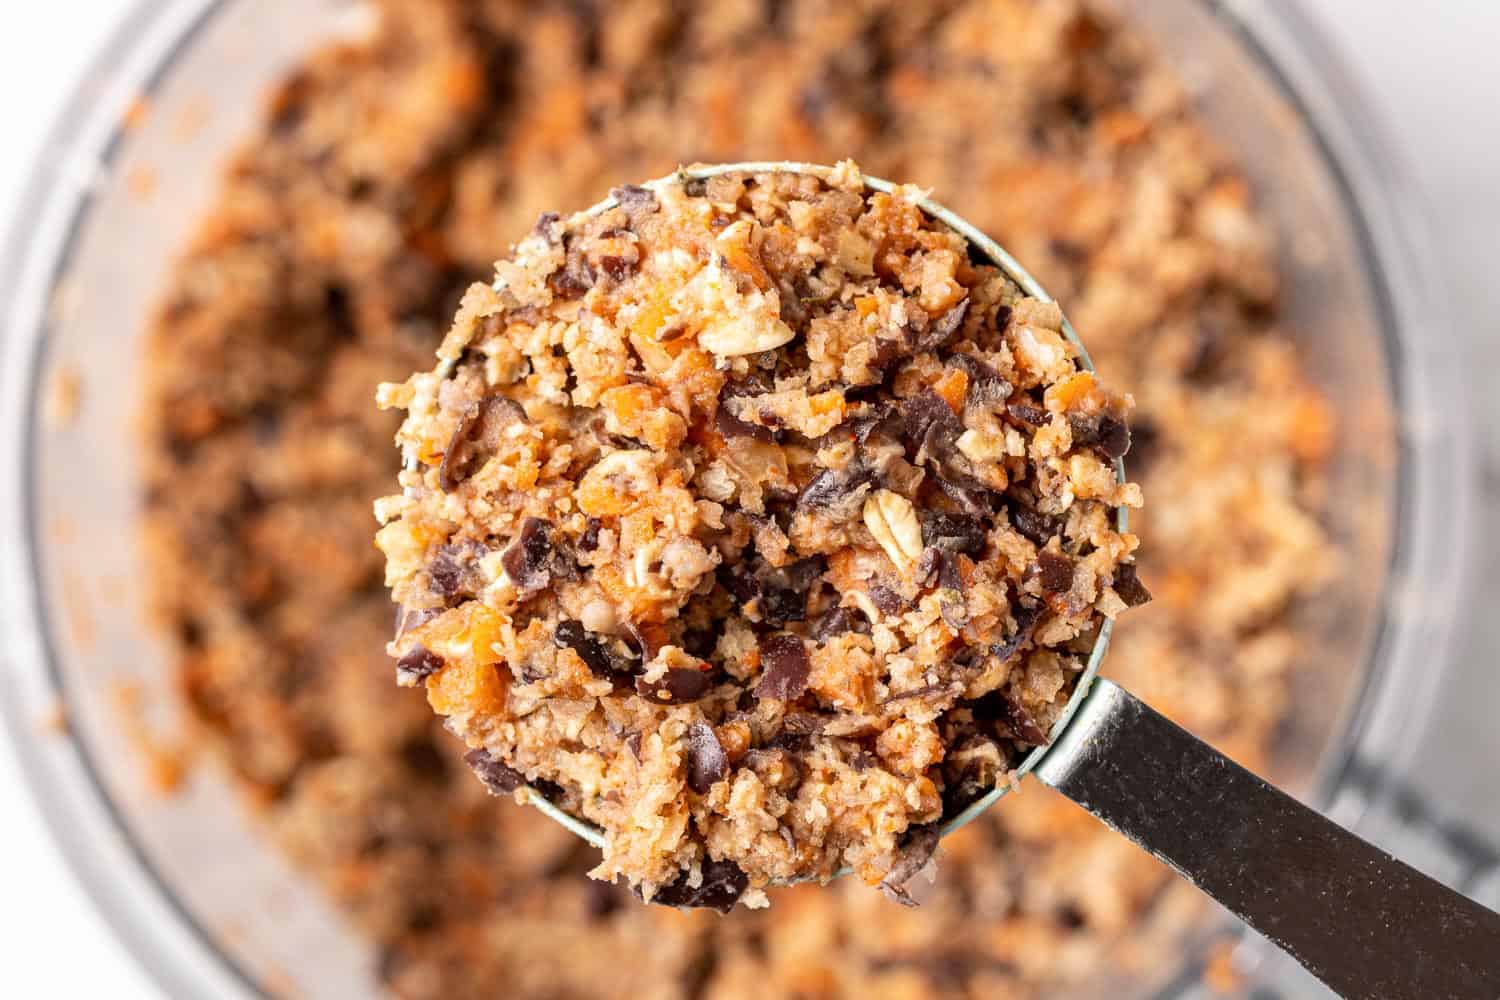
1363	922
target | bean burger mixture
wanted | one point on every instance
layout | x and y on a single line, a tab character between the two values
384	177
758	522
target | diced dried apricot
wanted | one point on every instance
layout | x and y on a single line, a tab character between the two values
953	387
467	687
1068	391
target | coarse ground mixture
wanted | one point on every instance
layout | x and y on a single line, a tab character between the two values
384	178
758	520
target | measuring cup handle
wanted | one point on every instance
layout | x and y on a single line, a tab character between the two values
1361	921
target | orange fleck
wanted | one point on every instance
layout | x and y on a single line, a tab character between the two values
953	387
865	305
466	687
1068	391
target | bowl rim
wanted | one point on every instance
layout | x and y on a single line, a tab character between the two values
1431	510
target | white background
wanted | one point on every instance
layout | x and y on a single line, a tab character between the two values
1435	67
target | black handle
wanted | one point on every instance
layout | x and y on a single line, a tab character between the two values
1355	917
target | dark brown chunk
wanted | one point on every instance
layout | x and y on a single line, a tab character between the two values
618	268
575	277
500	779
528	559
838	621
912	856
637	201
886	600
547	226
572	635
1026	620
589	540
453	571
837	495
943	331
732	426
780	593
1055	570
410	618
723	884
475	438
1034	525
706	761
1002	318
784	668
1131	590
1024	726
954	532
930	427
418	664
1027	413
678	686
986	385
1105	434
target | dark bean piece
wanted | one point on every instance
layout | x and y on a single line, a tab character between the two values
1056	571
678	686
740	582
499	778
1034	525
572	635
1026	621
929	566
707	763
1027	413
410	618
1022	725
781	593
547	226
1131	590
618	268
1114	438
637	201
837	622
944	330
418	664
528	559
575	277
954	532
986	385
930	427
589	540
785	667
840	495
1002	318
1007	718
887	600
477	434
722	886
645	640
917	848
731	426
802	723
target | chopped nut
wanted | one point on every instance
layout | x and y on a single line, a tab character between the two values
892	519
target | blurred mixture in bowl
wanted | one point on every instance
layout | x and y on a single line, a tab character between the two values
385	177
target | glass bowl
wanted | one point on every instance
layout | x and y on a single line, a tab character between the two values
212	910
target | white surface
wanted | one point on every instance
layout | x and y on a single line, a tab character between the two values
1436	73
